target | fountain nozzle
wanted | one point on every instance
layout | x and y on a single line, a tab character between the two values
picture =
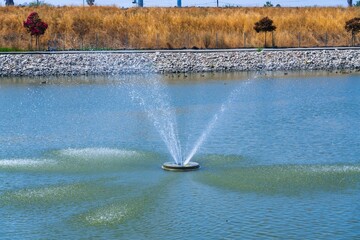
179	167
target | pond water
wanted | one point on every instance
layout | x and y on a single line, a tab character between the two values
79	158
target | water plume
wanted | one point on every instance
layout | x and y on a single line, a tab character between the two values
223	108
154	99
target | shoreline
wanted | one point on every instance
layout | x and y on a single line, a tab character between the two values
171	77
180	61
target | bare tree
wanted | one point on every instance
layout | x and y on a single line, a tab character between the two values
350	3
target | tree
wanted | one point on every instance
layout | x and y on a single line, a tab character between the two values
264	25
35	26
268	4
81	25
353	26
357	4
90	2
350	3
9	2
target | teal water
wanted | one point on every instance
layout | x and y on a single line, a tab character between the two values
79	159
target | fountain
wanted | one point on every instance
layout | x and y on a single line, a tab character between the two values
156	104
170	166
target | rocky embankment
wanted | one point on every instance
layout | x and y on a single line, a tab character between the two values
94	63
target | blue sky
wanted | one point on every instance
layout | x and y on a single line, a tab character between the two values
205	3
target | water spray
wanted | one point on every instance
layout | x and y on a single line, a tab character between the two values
155	101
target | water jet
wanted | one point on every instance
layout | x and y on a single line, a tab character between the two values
153	98
171	166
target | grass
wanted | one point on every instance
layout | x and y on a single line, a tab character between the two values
157	28
9	49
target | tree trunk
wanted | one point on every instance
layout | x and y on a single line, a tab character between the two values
350	3
31	48
265	40
37	43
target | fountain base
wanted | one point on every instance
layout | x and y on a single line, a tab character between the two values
170	166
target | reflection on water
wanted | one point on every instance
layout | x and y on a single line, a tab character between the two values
79	160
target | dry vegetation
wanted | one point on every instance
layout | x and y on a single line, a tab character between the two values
116	28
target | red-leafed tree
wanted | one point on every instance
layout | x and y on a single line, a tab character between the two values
35	26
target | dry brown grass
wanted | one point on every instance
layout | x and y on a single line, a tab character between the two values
116	28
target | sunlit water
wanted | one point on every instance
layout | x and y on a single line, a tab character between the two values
80	159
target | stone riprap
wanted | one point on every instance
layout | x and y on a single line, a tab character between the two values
95	63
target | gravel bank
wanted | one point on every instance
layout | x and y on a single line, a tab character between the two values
175	62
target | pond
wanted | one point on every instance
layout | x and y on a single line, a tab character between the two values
279	153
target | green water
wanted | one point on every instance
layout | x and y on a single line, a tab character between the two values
78	159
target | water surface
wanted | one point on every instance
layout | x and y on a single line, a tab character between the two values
80	159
